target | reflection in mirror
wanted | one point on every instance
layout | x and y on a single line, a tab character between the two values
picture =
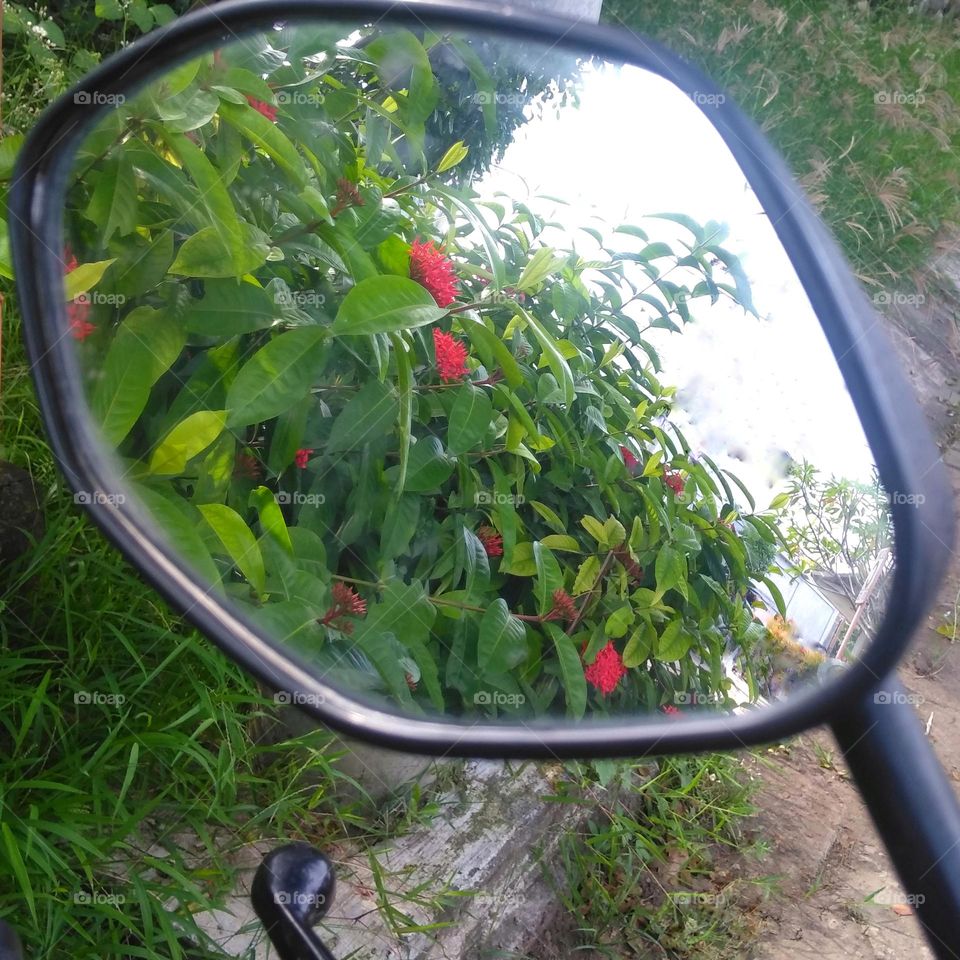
482	400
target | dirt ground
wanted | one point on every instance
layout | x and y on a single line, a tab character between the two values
836	894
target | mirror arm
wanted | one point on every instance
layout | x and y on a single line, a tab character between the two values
292	890
912	804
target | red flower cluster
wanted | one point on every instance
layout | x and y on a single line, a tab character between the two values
433	270
267	109
451	356
346	603
674	481
563	607
78	309
303	456
607	670
491	540
247	465
670	710
628	458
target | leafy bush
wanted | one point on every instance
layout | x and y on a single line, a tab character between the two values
392	417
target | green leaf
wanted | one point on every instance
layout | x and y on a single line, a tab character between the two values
9	148
113	204
502	645
213	194
596	530
204	255
399	526
779	501
85	276
178	521
543	263
619	621
370	415
470	417
571	671
674	642
549	577
427	468
491	347
562	542
238	541
385	304
555	360
276	376
144	347
271	517
522	563
265	134
230	307
552	519
402	354
19	869
452	157
587	575
777	596
670	571
188	438
640	645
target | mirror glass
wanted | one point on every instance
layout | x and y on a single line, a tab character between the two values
473	373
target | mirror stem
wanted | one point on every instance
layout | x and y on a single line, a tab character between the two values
912	804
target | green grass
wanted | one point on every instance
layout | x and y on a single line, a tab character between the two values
123	733
655	872
814	75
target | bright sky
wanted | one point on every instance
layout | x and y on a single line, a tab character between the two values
749	389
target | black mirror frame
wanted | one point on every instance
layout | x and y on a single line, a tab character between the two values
907	459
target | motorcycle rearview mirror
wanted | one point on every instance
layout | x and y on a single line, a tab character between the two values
484	385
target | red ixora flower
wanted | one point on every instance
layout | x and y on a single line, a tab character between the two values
607	670
267	109
670	710
674	481
303	456
433	269
491	540
628	458
346	603
78	309
451	356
